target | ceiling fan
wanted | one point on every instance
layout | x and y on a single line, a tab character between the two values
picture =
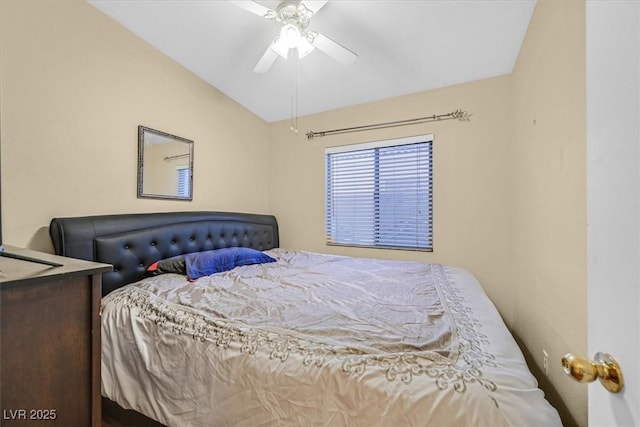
293	17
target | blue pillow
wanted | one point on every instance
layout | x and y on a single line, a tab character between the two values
201	264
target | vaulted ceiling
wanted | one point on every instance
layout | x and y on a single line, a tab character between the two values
402	46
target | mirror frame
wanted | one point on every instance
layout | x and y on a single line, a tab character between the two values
142	131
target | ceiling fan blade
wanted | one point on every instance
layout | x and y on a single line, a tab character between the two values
314	5
333	49
254	7
267	60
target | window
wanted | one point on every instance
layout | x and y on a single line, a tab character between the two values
184	175
379	194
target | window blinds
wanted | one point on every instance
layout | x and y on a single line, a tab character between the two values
380	194
183	180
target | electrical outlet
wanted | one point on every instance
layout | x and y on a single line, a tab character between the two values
545	362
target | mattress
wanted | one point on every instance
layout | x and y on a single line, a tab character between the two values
317	340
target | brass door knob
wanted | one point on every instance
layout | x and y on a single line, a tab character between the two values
604	367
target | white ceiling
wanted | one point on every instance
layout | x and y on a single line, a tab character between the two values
402	46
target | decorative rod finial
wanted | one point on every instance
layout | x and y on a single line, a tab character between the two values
461	115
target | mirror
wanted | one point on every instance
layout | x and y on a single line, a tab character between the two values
165	165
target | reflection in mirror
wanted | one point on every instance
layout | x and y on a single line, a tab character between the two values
165	165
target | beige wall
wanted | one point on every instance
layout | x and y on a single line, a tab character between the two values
75	85
549	194
471	182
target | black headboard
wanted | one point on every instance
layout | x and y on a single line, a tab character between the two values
131	242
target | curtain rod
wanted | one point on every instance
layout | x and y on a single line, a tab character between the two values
457	114
178	156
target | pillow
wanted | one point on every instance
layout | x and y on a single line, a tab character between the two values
200	264
174	264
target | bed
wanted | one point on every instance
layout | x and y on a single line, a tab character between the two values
292	338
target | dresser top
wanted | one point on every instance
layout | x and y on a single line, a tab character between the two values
15	272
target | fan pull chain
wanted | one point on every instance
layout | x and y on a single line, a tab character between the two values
293	126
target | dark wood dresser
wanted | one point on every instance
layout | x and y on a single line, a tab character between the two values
50	341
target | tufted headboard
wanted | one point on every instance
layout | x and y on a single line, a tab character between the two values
131	242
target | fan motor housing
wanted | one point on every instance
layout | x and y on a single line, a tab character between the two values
294	13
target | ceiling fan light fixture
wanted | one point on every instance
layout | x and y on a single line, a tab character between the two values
292	38
280	47
304	47
290	35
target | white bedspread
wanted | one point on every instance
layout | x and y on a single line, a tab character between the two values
317	340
